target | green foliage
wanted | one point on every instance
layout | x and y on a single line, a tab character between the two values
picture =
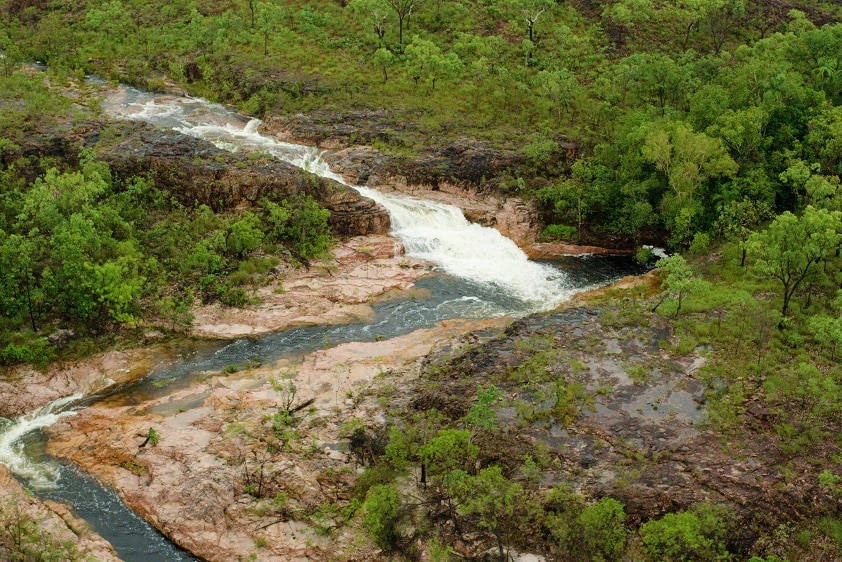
448	451
553	232
34	350
793	247
603	529
482	415
490	497
679	280
24	539
697	534
381	508
299	223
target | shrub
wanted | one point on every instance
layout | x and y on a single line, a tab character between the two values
603	529
553	232
694	535
381	506
37	351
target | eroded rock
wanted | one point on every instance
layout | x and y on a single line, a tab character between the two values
54	519
227	478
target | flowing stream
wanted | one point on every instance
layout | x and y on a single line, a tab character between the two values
478	274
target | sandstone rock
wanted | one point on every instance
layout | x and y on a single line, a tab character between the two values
56	519
331	292
24	388
192	484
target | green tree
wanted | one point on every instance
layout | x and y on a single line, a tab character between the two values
18	284
558	86
450	450
491	498
375	13
403	9
678	279
427	62
482	414
738	219
269	19
383	59
111	18
793	247
116	285
654	78
688	160
301	224
603	529
244	235
381	508
695	535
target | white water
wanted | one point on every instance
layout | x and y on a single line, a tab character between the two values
430	231
40	475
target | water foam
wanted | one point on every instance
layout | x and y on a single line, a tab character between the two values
431	231
38	474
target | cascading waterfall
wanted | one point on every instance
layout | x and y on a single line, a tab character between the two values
41	475
430	231
488	275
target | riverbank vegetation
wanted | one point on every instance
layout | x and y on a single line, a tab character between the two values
511	442
83	251
676	112
711	127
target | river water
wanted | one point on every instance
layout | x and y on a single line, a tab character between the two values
478	273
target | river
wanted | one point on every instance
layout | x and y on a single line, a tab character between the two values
478	273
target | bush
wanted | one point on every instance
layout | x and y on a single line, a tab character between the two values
603	529
381	506
37	351
234	296
554	232
694	535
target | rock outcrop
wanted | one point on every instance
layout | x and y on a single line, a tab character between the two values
467	173
639	436
455	175
227	479
56	523
196	172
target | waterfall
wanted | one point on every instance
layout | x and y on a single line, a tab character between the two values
431	231
38	474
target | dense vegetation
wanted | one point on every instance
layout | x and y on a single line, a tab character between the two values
772	387
85	251
711	126
679	110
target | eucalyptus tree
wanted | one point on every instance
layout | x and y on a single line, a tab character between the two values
376	14
792	248
738	220
427	61
269	19
530	11
688	160
403	10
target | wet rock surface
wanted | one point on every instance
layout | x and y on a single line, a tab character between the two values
24	388
636	427
332	291
467	173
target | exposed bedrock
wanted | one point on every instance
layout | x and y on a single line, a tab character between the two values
196	172
468	173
